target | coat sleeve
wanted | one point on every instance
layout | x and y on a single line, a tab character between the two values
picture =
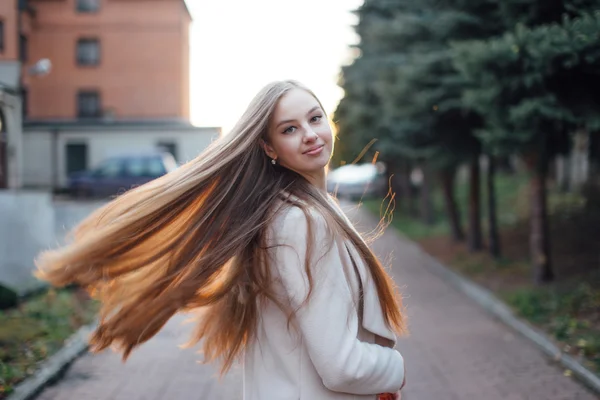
328	321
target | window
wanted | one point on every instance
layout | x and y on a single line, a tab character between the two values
23	55
1	36
110	168
76	157
87	6
155	168
24	102
135	167
88	104
144	167
88	52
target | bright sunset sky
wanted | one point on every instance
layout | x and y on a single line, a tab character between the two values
237	46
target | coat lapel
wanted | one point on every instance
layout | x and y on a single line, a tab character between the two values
373	319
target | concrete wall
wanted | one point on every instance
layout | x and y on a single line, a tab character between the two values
28	226
32	222
9	73
45	158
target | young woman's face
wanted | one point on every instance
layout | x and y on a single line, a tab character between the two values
300	137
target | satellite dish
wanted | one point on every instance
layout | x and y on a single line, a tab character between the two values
42	67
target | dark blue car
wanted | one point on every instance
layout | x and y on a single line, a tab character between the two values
117	174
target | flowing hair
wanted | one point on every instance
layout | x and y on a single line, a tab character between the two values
196	239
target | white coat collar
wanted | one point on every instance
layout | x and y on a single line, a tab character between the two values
373	318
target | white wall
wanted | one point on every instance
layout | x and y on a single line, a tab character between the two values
27	227
33	222
37	154
40	152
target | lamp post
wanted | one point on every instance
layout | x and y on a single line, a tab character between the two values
11	127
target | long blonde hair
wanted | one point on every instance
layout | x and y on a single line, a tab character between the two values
195	238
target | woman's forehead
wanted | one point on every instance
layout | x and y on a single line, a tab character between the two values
295	103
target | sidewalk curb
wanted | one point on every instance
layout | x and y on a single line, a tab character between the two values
50	369
501	311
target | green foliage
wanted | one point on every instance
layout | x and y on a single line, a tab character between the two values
435	77
8	297
510	188
35	330
565	312
534	85
403	89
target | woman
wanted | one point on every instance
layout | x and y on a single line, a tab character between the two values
247	234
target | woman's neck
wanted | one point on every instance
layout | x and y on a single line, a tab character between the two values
318	179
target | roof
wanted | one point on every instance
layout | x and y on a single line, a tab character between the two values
95	125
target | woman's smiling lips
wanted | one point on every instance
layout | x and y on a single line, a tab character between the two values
314	150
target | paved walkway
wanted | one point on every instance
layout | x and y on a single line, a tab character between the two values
455	352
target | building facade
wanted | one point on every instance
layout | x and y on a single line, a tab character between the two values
10	98
119	76
122	59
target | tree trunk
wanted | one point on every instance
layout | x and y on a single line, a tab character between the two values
474	240
539	235
447	181
504	165
563	172
426	203
494	237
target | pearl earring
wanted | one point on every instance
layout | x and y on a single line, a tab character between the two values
273	161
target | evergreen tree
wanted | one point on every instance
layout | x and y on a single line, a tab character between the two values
525	82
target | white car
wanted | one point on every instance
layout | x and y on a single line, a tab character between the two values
355	181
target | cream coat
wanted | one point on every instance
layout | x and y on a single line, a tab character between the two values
329	352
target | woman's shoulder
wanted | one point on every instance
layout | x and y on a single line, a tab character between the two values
293	215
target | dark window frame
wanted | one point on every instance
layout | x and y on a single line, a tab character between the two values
82	61
83	7
81	112
70	145
2	36
23	48
24	102
23	5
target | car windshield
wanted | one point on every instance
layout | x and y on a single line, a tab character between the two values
353	173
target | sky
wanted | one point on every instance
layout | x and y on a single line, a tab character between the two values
238	46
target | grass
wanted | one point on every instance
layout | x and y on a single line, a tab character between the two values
569	312
511	206
569	309
36	329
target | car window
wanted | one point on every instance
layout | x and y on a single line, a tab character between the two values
155	167
110	168
135	167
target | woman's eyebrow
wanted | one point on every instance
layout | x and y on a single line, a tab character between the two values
292	120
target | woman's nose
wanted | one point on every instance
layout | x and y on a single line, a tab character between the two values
310	134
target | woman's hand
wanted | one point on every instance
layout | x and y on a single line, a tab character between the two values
390	396
393	396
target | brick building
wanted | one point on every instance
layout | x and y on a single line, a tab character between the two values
119	81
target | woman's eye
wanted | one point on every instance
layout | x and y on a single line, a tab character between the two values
316	118
291	129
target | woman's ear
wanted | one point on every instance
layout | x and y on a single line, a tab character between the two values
269	151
